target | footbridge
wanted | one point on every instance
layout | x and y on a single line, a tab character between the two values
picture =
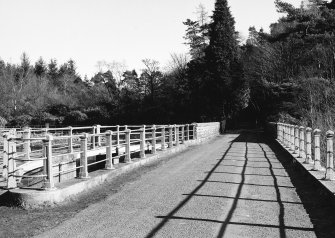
251	183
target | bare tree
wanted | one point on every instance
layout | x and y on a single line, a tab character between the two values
117	68
151	76
177	64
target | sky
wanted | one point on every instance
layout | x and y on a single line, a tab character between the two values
126	31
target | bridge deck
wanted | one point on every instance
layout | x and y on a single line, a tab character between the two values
234	186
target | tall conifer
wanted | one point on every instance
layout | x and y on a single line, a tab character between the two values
222	56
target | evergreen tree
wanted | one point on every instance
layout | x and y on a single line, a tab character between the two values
40	68
222	58
53	69
25	65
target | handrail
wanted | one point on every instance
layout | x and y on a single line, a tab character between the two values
116	142
298	140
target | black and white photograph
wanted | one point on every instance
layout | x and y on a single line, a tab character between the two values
167	118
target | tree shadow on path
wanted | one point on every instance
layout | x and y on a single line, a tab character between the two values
317	203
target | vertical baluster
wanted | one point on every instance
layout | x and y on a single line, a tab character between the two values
302	153
153	141
83	172
296	140
287	136
317	152
292	138
109	150
163	138
308	145
93	137
170	136
127	153
26	141
142	141
5	156
117	140
195	134
182	134
11	179
330	175
49	183
177	134
98	130
282	133
70	141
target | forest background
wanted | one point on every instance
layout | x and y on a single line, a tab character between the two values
285	75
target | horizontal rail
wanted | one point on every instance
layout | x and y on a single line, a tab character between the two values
52	145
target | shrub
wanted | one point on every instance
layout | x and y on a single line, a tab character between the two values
75	118
21	121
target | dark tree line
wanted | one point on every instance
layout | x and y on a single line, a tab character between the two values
291	69
200	89
287	74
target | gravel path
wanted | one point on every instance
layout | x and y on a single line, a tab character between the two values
233	186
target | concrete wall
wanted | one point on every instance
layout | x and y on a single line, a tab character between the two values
207	130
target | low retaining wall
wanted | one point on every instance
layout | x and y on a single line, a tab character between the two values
207	130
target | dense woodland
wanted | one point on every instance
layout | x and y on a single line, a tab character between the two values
287	75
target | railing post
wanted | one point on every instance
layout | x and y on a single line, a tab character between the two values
317	156
308	145
49	183
46	131
292	138
302	142
153	141
109	150
142	143
83	172
127	158
283	133
163	139
170	136
296	139
26	141
287	136
117	140
5	156
70	141
177	134
98	137
188	132
195	136
330	175
11	179
93	137
182	134
278	131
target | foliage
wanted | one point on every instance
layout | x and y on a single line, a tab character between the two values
291	70
204	85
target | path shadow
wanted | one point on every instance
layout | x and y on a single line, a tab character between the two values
317	201
247	138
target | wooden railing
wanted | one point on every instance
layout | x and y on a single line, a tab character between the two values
43	147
